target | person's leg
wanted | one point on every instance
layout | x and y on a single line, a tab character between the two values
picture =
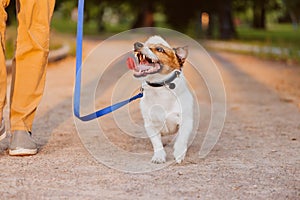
3	18
29	71
30	61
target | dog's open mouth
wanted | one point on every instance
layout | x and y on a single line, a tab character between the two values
144	66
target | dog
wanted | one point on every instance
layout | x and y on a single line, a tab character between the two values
167	104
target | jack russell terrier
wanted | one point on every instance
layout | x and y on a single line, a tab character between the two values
167	104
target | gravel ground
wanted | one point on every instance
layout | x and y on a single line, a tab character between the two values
256	157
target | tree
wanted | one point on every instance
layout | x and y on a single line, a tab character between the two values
293	8
260	8
145	15
143	10
226	25
177	14
259	14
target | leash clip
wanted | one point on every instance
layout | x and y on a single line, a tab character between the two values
141	89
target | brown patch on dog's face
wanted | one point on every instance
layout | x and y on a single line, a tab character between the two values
167	58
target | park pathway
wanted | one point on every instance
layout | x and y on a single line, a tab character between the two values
256	157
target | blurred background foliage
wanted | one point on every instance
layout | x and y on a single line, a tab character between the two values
185	16
223	16
274	22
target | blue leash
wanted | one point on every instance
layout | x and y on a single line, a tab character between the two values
76	102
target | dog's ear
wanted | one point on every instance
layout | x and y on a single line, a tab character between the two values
181	53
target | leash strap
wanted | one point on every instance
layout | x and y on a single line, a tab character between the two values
76	101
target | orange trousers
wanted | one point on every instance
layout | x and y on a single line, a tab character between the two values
30	61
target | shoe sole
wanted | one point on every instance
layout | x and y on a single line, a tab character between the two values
3	136
22	152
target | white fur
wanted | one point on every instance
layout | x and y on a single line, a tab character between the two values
164	109
157	40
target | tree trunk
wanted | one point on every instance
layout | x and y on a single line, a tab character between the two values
294	19
145	16
100	26
259	14
211	25
226	25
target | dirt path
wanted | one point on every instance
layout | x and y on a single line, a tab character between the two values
256	157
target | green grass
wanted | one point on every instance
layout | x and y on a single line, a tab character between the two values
90	28
283	36
70	27
9	48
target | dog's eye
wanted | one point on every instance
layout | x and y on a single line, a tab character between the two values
159	49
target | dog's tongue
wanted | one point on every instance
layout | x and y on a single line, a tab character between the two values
130	63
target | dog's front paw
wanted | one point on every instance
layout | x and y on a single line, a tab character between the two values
159	157
179	152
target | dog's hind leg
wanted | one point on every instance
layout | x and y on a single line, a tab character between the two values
181	143
185	128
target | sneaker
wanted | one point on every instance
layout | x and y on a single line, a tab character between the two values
2	130
22	144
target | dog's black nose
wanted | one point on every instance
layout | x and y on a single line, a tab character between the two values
138	46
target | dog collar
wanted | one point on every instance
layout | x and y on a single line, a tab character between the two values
167	82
